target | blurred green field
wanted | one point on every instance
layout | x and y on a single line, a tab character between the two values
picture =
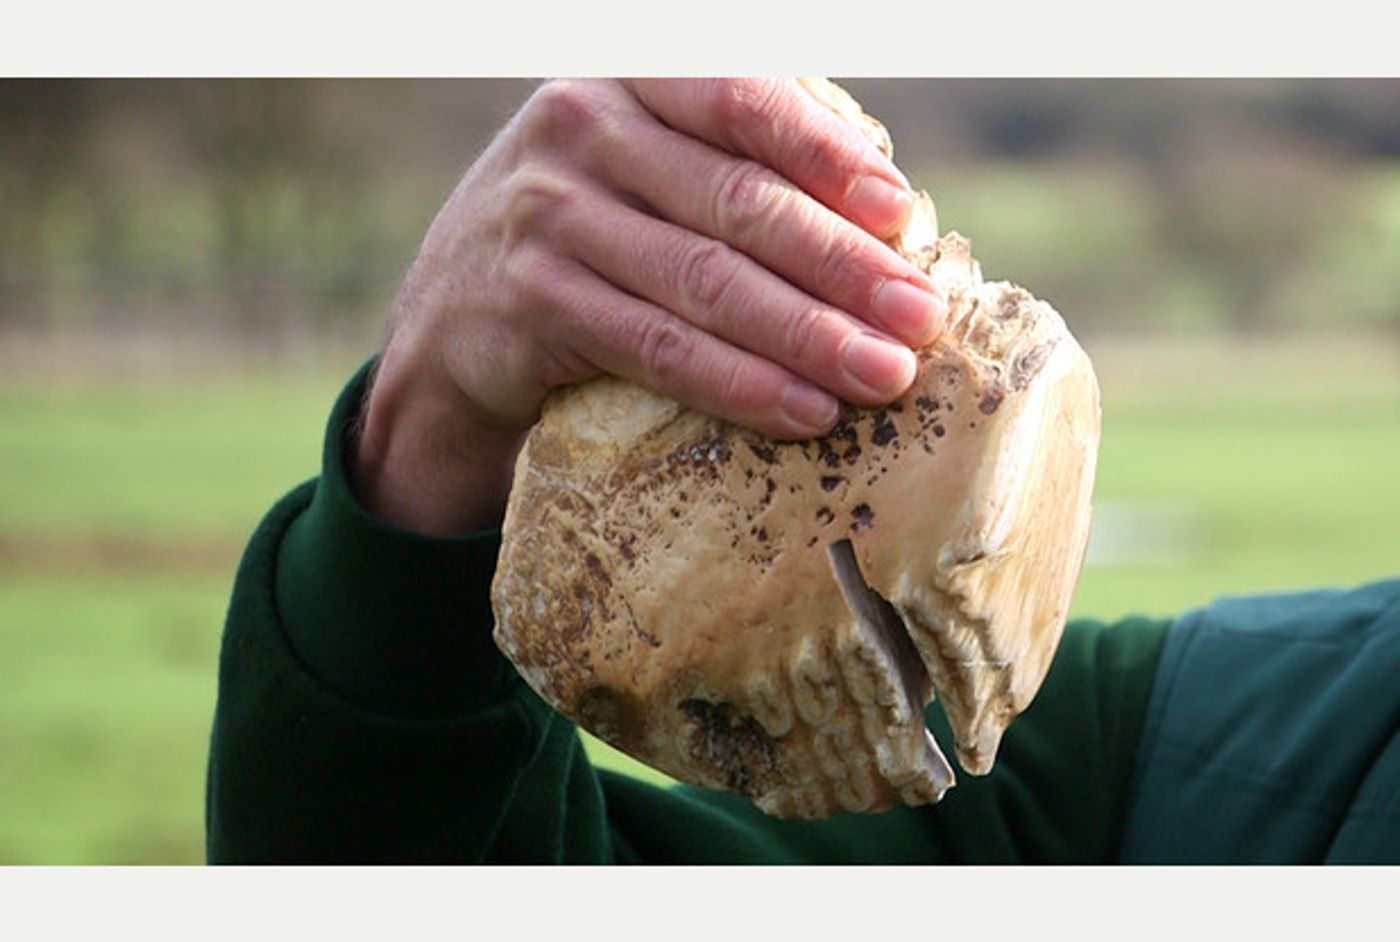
1225	468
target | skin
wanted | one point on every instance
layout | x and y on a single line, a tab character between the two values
715	240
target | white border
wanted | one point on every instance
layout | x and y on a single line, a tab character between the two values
587	37
678	904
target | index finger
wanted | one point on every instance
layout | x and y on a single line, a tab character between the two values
777	122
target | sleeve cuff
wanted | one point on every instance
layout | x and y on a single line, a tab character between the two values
398	622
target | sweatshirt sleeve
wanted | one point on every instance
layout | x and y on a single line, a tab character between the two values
364	714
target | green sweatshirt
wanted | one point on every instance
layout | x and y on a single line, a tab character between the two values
365	715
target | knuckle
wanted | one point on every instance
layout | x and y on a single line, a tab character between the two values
803	337
839	266
665	349
743	101
706	274
735	390
537	196
826	157
746	194
534	277
567	109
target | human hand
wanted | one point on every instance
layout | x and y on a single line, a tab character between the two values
714	240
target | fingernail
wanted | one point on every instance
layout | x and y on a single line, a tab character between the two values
908	311
809	407
885	368
878	205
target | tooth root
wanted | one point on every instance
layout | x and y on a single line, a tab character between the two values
846	568
937	764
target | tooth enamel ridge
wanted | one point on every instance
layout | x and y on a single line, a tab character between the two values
772	618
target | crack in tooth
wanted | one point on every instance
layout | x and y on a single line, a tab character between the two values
876	612
888	652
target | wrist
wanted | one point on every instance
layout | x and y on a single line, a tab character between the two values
427	461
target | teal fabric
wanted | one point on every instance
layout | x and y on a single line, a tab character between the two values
1273	734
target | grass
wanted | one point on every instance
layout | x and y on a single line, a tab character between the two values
123	510
198	461
106	708
1270	498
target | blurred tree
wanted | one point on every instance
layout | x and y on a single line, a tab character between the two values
1245	214
287	207
40	123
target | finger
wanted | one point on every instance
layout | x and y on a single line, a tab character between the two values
632	338
726	294
778	123
752	208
